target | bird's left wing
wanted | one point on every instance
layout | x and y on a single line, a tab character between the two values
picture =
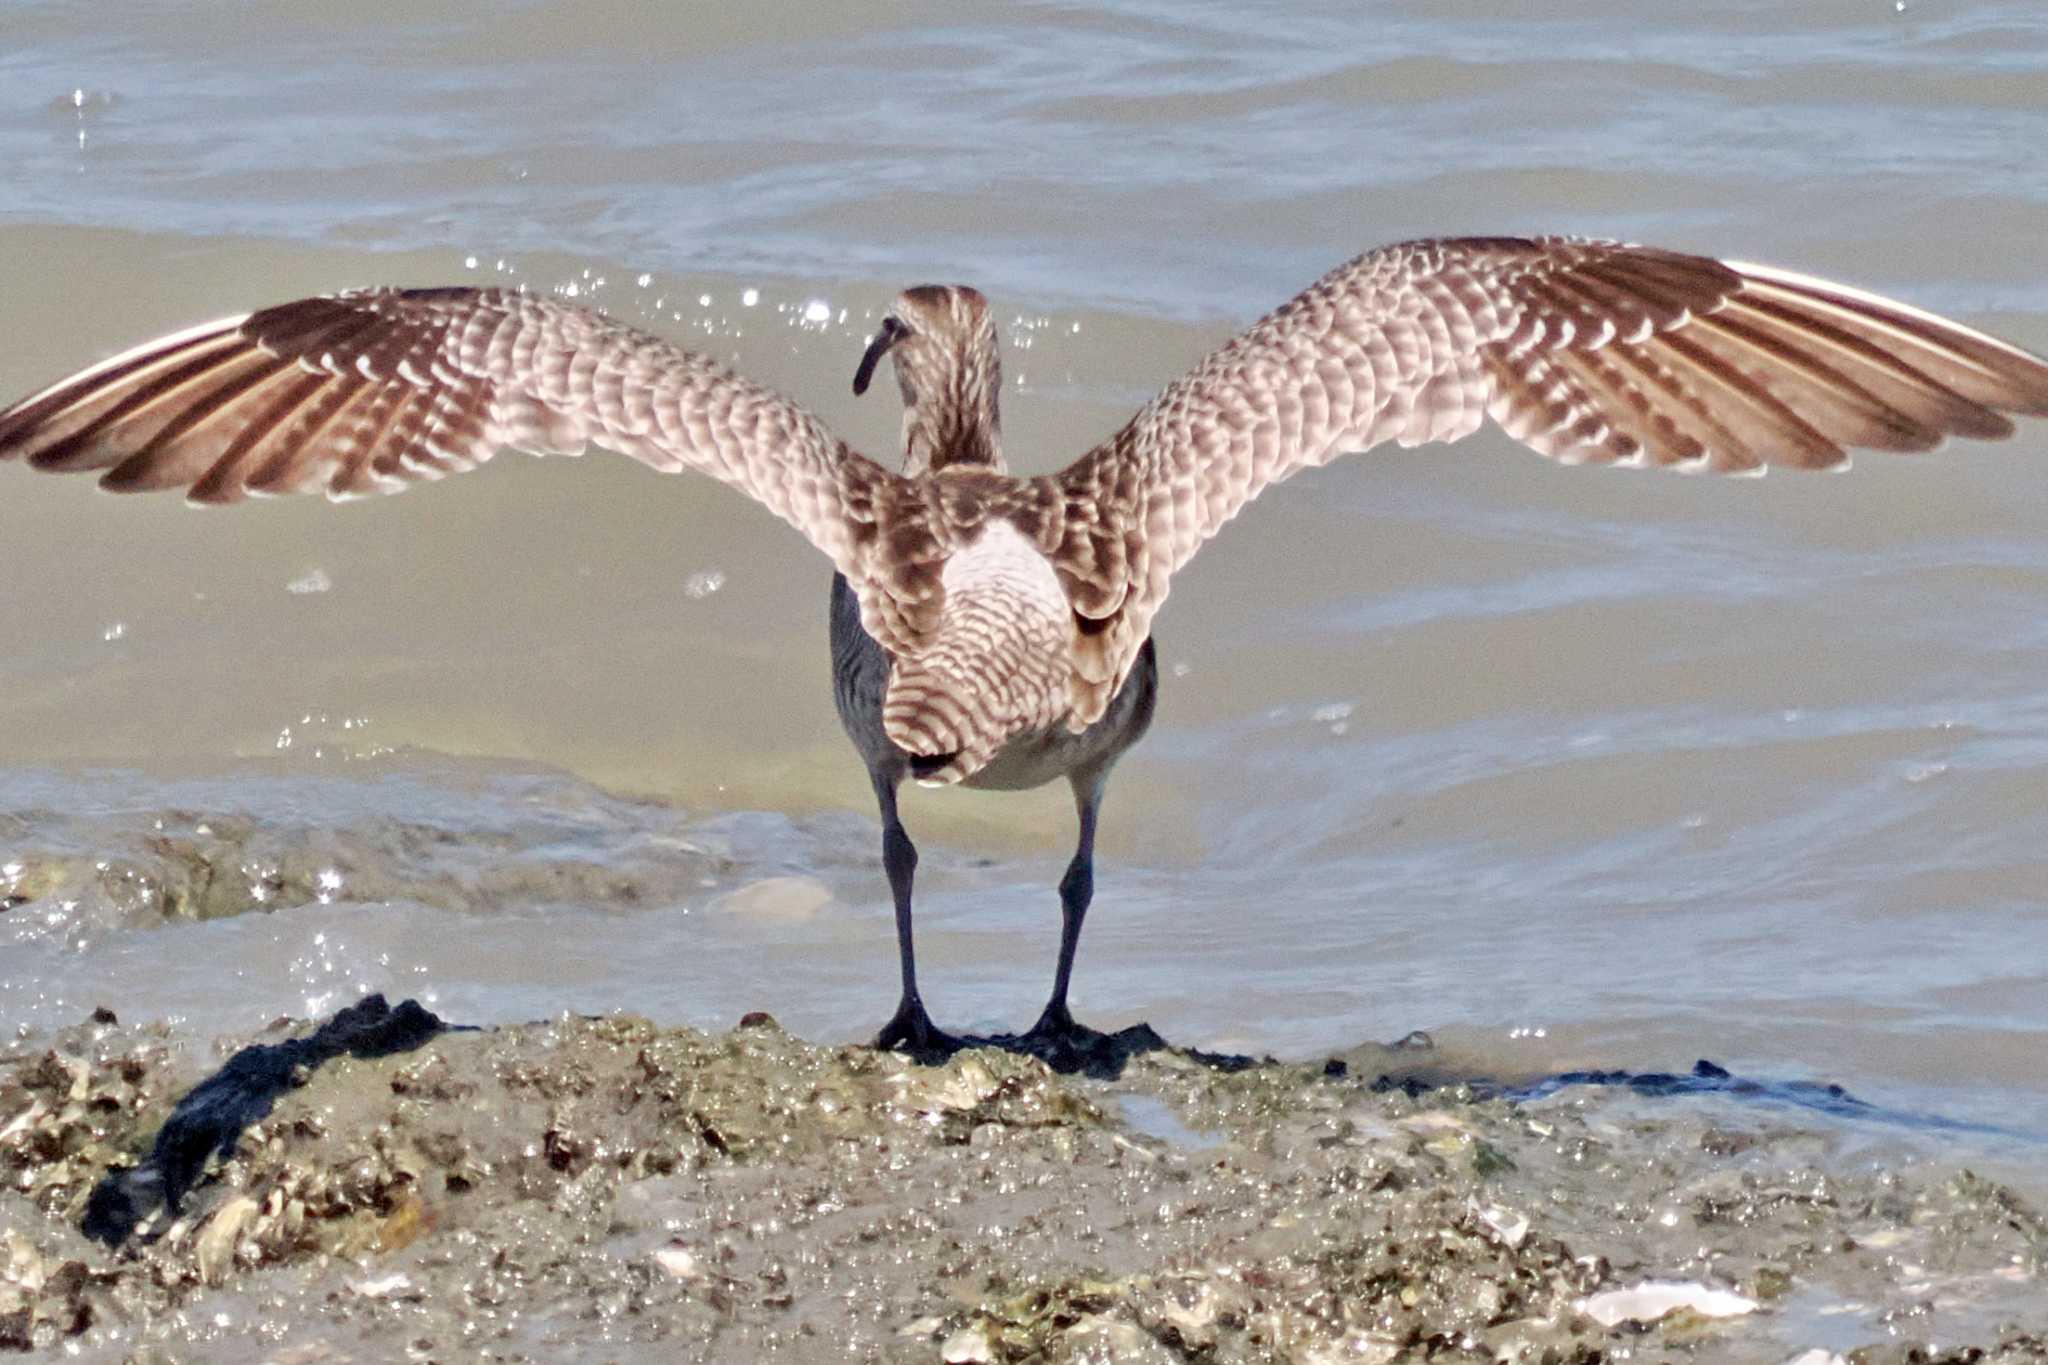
375	390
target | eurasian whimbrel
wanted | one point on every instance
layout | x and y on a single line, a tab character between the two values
996	630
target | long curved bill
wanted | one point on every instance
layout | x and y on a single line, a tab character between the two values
890	333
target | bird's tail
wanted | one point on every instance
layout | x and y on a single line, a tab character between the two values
996	666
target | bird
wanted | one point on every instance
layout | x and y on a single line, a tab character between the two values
995	630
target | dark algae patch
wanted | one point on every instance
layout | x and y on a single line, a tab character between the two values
210	1118
378	1187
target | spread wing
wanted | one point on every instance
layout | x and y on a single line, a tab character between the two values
1588	352
373	391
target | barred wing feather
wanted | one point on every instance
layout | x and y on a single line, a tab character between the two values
1587	351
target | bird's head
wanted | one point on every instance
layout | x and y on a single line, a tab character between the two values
941	340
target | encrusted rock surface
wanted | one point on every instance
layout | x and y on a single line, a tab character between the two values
379	1189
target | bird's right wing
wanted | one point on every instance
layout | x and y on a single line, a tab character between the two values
1586	351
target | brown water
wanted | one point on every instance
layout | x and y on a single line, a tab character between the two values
1570	768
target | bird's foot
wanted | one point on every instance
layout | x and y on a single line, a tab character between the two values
1056	1029
1066	1046
911	1031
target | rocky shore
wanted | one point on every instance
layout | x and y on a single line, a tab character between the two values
381	1187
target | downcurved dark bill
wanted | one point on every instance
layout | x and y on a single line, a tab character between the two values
891	332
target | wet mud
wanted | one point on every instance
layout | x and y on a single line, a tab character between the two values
379	1186
88	876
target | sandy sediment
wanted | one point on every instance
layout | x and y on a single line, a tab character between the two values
378	1187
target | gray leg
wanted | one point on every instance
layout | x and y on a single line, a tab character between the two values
910	1028
1077	889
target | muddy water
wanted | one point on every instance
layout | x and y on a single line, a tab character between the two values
1569	768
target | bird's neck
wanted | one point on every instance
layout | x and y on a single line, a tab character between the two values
956	429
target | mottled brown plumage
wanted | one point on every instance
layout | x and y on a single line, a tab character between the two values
1012	611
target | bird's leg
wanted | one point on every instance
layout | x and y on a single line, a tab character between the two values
910	1028
1077	888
